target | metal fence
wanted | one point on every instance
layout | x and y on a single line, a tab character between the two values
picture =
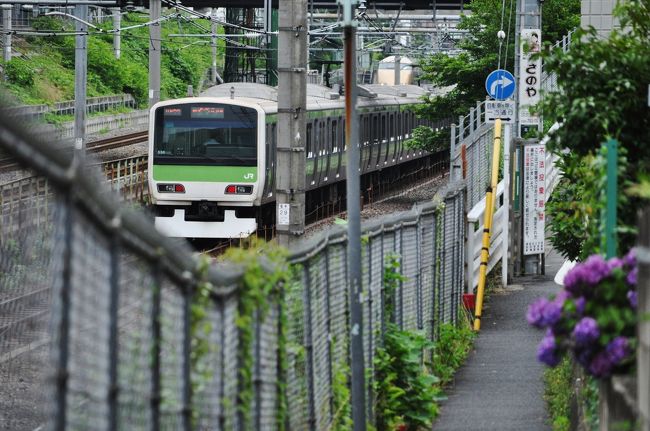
104	324
472	140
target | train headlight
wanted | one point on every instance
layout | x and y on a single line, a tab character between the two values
239	190
171	188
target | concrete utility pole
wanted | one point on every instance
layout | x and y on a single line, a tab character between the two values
154	52
292	103
213	45
6	26
80	73
117	38
398	59
268	26
353	203
528	75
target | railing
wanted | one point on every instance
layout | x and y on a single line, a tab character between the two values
104	324
473	137
94	104
475	219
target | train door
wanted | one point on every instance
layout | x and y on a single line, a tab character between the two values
322	152
309	165
392	138
271	145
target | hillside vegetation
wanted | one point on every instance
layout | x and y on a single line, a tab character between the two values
43	72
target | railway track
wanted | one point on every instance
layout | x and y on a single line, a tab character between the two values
8	163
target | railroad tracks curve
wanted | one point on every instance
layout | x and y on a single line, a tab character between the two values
9	163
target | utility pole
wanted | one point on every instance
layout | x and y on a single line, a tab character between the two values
154	52
528	76
353	203
268	25
213	44
6	26
292	104
398	59
80	73
117	38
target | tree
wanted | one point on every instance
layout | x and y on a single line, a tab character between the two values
602	94
480	52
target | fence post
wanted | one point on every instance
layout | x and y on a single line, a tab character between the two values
156	331
113	389
187	351
309	346
643	301
64	323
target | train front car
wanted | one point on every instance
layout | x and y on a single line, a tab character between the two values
206	157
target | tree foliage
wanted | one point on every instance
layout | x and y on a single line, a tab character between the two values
602	94
480	52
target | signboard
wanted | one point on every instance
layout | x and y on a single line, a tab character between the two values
500	84
503	109
534	197
283	214
530	75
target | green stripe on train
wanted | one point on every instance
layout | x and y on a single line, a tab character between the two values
240	174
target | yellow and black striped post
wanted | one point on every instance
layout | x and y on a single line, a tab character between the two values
490	201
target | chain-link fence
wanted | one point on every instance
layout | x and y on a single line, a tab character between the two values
471	152
104	324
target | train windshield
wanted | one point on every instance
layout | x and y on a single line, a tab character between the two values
205	134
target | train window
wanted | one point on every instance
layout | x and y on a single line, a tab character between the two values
375	127
383	127
205	134
310	153
334	136
391	127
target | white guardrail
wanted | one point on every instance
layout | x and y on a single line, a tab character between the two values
476	217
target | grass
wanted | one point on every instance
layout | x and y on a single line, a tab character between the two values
43	73
566	386
558	393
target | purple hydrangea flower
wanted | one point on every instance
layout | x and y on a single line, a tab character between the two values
586	331
614	263
580	304
596	269
632	277
552	313
586	275
547	350
600	365
535	314
631	296
629	259
617	350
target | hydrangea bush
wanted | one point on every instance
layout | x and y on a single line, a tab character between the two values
593	317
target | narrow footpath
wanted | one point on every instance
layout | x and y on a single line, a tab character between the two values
500	387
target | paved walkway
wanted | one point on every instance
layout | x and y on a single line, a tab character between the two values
500	387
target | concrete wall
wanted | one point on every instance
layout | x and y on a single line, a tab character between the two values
598	13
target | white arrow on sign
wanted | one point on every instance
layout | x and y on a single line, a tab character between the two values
503	82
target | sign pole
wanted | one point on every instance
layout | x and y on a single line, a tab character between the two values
354	218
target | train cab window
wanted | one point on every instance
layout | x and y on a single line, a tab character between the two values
310	152
205	134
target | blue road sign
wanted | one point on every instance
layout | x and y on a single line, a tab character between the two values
500	84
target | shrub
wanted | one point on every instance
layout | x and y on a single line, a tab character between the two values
19	72
593	317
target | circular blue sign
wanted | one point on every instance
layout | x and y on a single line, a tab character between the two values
500	84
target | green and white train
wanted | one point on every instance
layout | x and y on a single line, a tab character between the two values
212	157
